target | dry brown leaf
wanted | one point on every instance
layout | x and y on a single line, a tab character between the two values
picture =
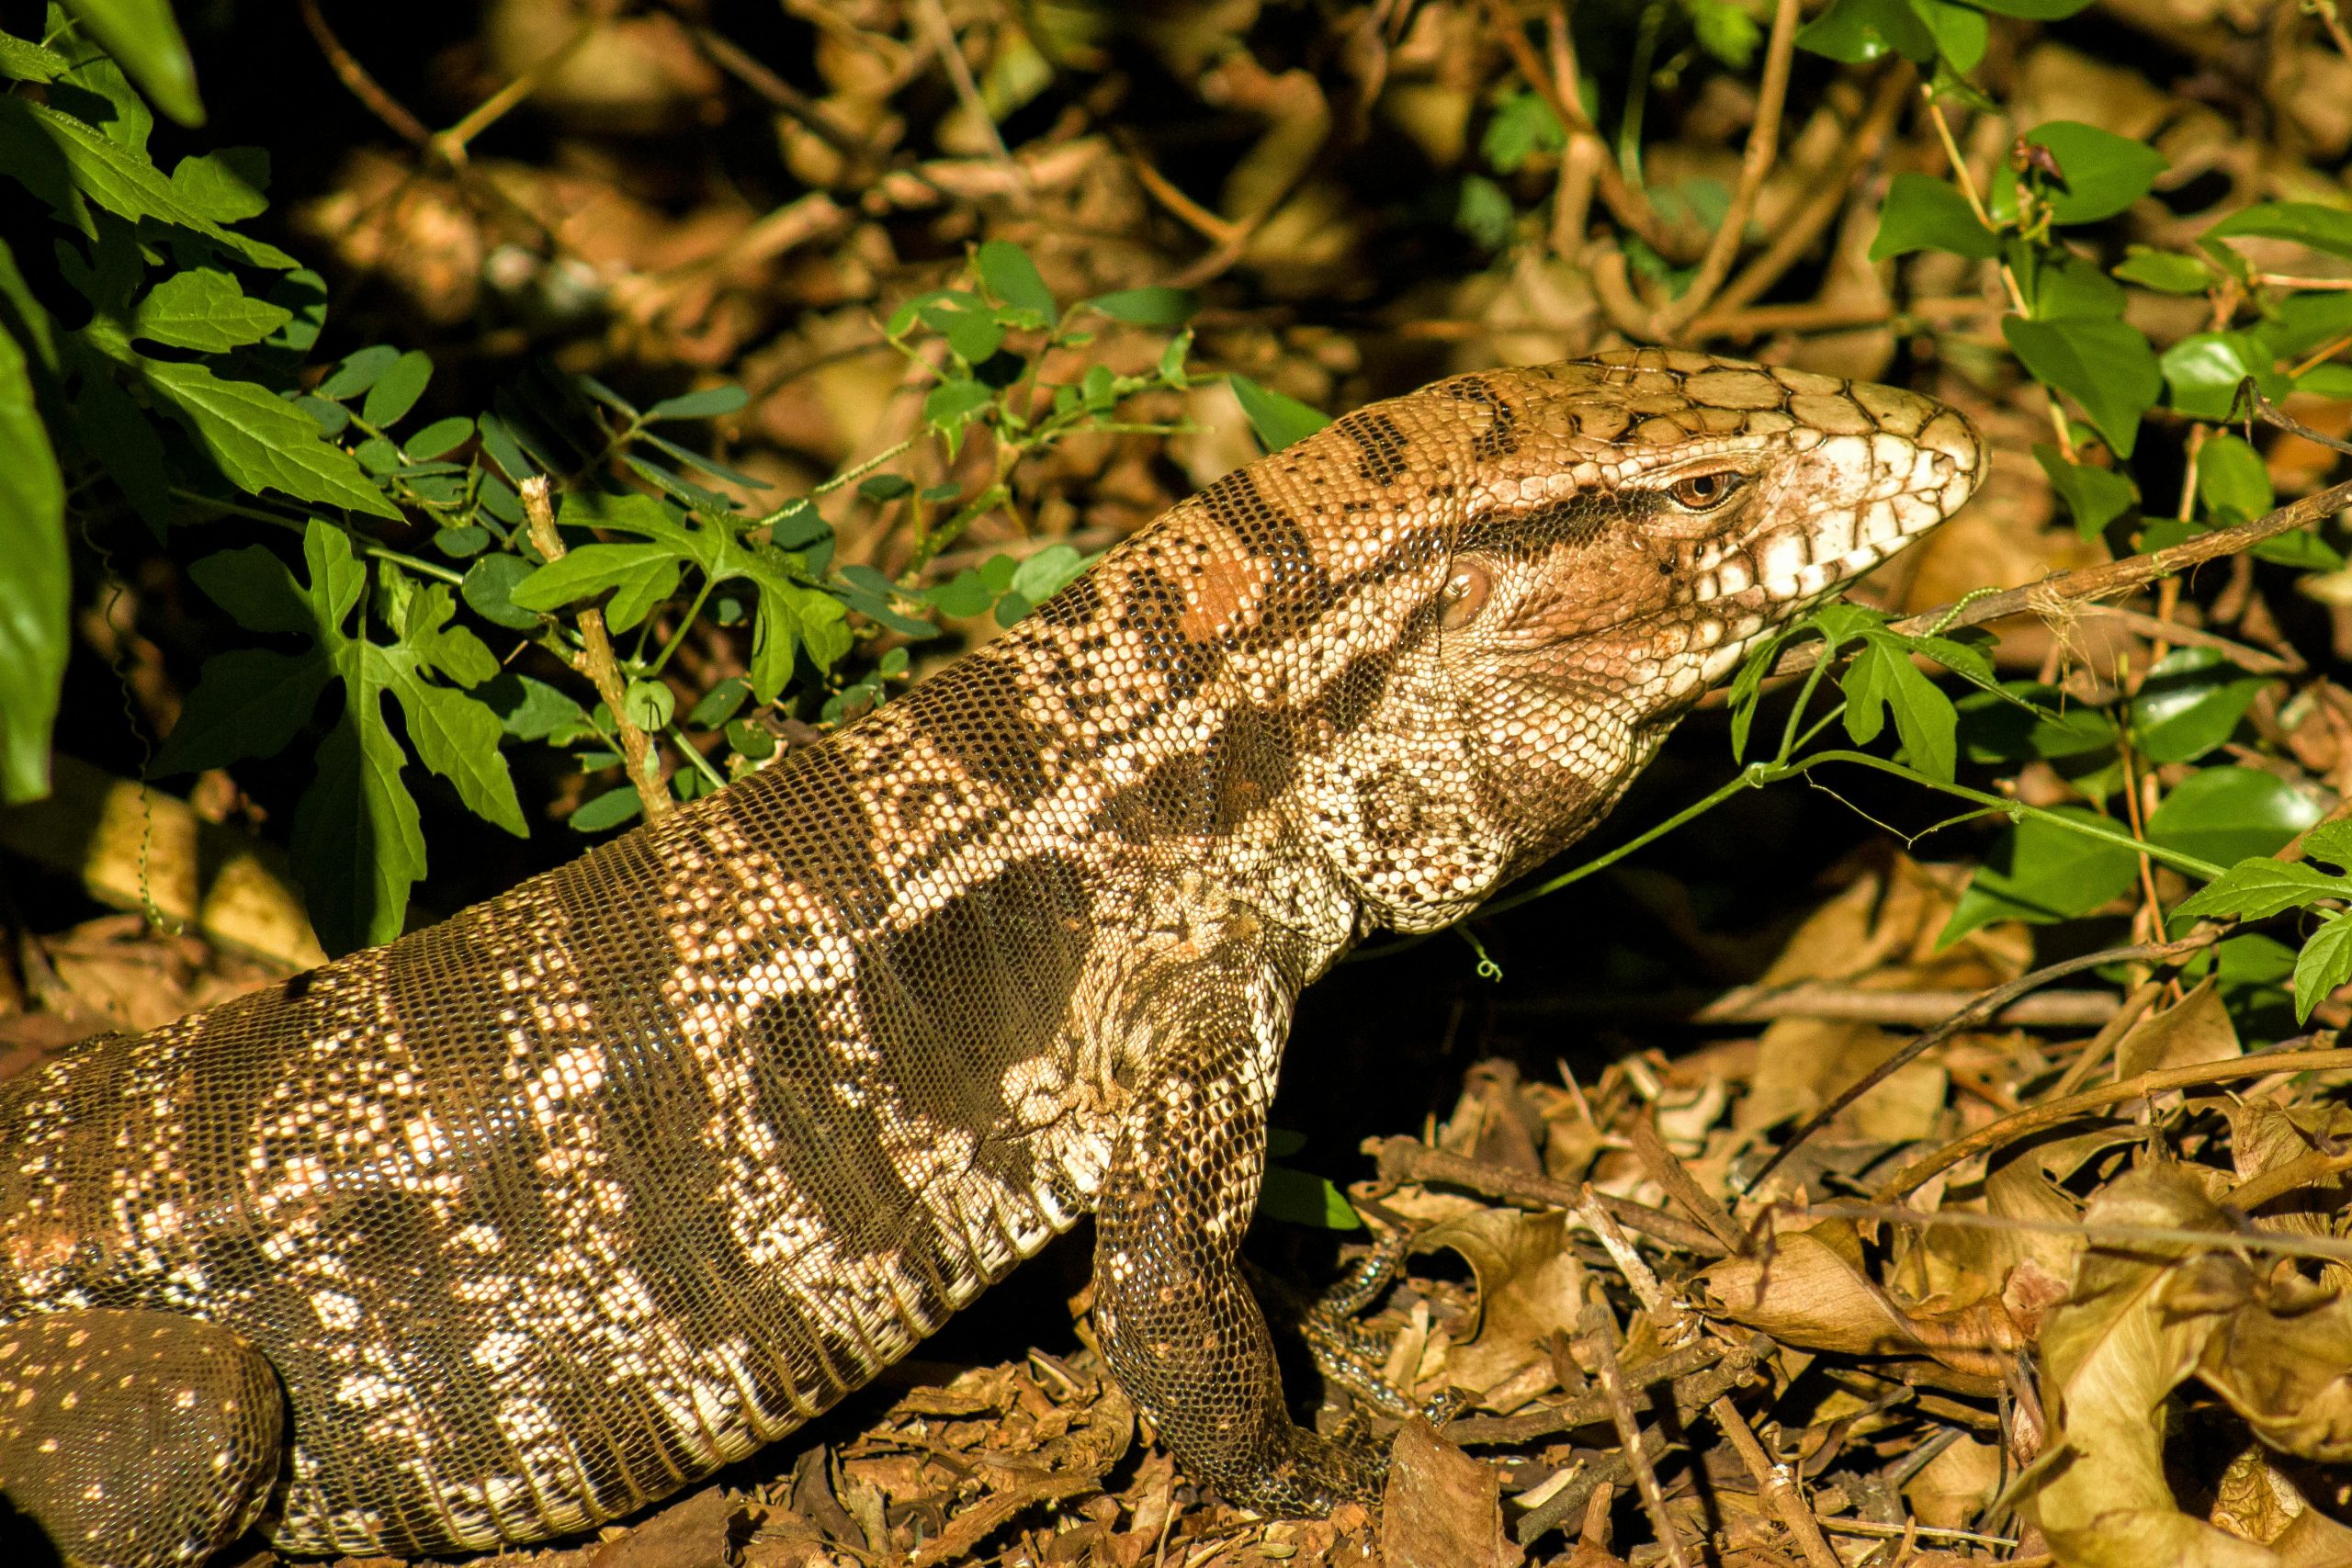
2112	1356
2195	1029
1442	1509
1530	1286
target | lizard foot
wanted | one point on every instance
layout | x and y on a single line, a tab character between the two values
134	1439
1314	1476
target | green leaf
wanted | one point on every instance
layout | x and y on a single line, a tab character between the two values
396	390
2190	703
530	709
360	371
952	405
488	587
35	138
2326	964
1522	125
1960	30
1154	307
973	333
2202	372
1277	418
29	62
2331	843
438	439
203	309
2230	814
2061	284
2231	477
609	810
2258	888
357	845
1048	572
248	702
2304	222
1883	680
2102	173
1923	214
145	41
2094	496
2034	10
1012	278
2166	271
720	704
458	739
257	590
261	442
1859	31
708	403
34	583
2042	872
2030	720
823	629
642	576
1298	1198
228	184
2107	366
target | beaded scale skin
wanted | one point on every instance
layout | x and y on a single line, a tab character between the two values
527	1219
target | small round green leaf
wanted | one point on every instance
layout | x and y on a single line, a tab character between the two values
2227	815
2101	172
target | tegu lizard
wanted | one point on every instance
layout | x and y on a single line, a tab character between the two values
531	1217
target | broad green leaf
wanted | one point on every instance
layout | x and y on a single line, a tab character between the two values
2326	964
641	577
488	587
1923	214
26	61
2052	729
2202	372
261	442
145	41
2330	842
358	845
35	587
609	810
1883	681
1960	32
2041	872
708	403
773	639
2102	173
1522	125
34	138
720	704
2231	477
823	629
1277	418
973	331
2230	814
530	709
2190	703
458	739
2258	888
247	702
226	185
2294	327
203	309
1298	1198
438	439
2094	496
1154	307
360	371
2107	366
257	590
396	390
952	405
1045	573
2166	271
1859	31
2304	222
2062	283
1012	278
961	595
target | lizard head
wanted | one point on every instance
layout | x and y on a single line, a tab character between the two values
1605	538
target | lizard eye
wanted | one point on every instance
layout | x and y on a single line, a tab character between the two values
1705	492
1466	595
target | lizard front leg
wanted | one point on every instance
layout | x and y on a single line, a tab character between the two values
1178	1323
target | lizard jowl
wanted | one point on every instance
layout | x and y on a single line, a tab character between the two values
521	1222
